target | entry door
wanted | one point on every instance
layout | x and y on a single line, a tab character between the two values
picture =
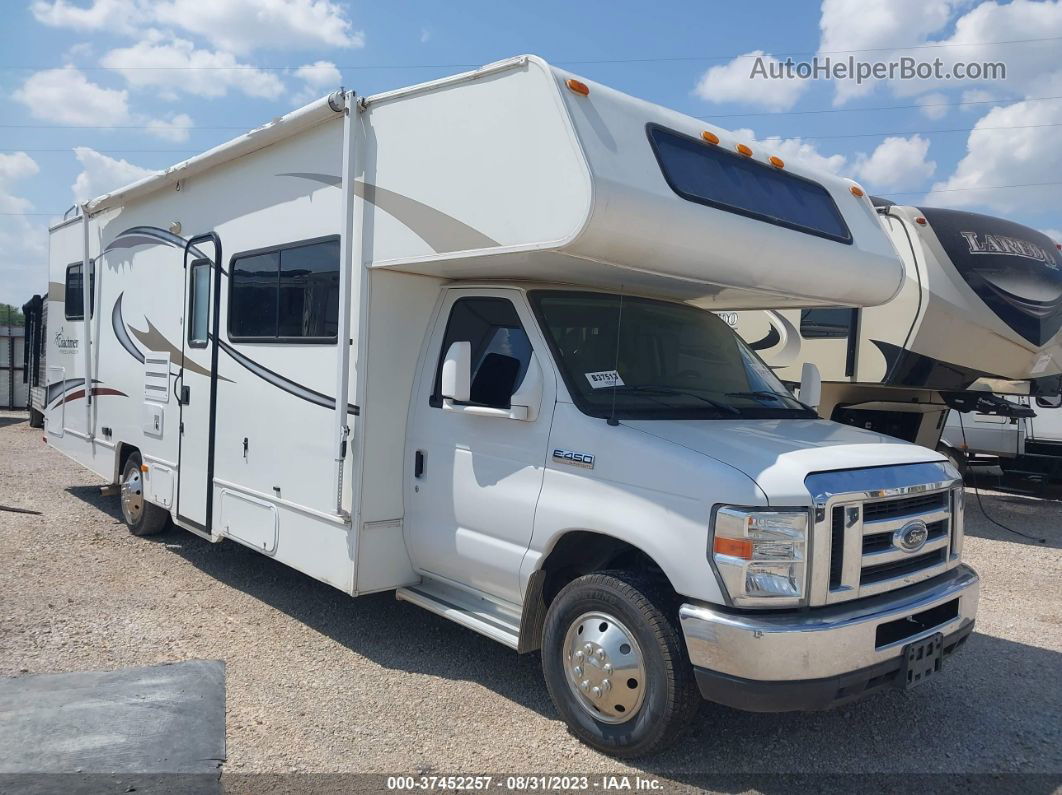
195	391
473	481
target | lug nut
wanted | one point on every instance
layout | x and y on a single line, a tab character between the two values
584	685
601	654
606	685
579	655
578	670
588	648
607	668
595	692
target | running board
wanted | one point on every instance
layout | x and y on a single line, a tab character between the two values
468	610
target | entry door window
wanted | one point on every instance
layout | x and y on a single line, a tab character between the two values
501	350
199	304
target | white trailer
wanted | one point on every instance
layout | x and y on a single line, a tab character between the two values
980	312
451	341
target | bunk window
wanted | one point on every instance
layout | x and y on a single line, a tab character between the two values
707	174
74	298
286	294
199	304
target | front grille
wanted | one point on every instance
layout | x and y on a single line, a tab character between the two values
889	509
898	568
866	532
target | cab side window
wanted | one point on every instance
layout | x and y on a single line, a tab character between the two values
501	350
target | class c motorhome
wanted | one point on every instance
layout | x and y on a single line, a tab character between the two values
456	341
979	312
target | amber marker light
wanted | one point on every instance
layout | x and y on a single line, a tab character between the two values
857	191
921	220
710	137
578	87
734	547
744	150
776	161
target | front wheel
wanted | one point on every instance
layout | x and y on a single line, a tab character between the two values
616	665
141	517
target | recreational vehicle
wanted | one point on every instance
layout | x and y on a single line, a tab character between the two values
979	313
458	341
34	371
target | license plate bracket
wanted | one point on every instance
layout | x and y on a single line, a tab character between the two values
921	660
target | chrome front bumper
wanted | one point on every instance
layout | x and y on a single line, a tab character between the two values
815	658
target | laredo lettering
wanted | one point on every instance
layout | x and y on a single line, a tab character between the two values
1001	244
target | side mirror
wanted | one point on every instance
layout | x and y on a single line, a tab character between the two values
457	372
1049	402
527	399
810	385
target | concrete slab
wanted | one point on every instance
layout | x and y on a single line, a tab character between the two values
155	722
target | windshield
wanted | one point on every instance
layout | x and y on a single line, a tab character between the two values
667	361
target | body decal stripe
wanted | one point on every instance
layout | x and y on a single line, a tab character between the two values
150	236
102	390
279	381
118	324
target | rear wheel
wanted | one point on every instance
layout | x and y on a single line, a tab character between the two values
616	665
141	517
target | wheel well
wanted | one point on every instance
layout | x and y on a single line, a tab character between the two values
575	554
124	451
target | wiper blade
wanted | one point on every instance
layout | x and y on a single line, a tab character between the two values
763	393
667	390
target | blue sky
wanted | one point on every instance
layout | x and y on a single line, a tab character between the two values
84	109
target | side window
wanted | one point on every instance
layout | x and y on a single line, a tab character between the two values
286	294
199	304
828	323
501	350
74	298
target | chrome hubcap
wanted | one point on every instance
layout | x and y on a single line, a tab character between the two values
604	667
132	497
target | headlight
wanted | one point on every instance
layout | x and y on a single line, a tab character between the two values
760	555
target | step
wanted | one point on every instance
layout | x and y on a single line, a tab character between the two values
501	623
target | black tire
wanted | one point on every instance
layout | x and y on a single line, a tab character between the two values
649	611
148	519
36	419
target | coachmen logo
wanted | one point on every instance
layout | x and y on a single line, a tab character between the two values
65	344
911	537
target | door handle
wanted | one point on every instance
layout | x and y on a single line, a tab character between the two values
418	464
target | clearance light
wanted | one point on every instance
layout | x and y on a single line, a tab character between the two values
710	137
776	161
143	467
578	87
921	220
857	191
744	150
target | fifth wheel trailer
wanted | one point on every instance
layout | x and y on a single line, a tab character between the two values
457	341
979	312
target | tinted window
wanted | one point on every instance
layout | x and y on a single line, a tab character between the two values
74	299
289	293
829	323
500	349
711	175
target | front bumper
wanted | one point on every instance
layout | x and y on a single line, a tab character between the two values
822	657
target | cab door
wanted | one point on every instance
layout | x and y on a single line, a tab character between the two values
473	480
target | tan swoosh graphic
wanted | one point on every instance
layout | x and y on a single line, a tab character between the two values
153	340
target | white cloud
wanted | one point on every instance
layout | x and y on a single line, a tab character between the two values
174	66
425	35
238	26
1054	234
173	129
934	106
733	82
245	25
975	98
101	174
66	96
317	79
23	238
1012	156
848	25
896	162
119	16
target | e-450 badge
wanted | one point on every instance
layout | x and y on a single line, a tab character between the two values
573	458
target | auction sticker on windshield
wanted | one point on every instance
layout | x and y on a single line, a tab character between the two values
604	378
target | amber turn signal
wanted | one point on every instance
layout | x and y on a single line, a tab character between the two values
734	547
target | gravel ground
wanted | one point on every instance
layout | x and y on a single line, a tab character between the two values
318	682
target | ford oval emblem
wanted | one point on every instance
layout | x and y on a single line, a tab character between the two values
911	537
